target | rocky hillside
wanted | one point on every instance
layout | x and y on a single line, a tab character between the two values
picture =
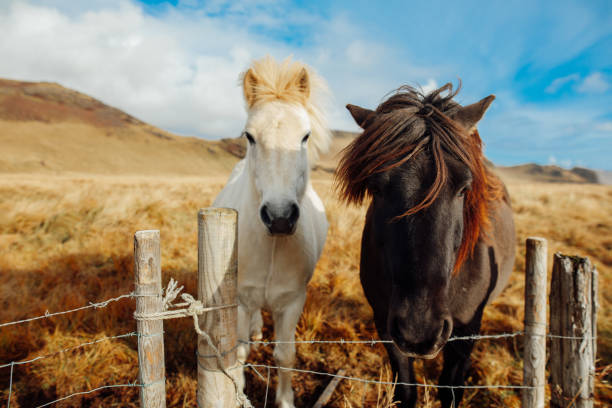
47	128
549	174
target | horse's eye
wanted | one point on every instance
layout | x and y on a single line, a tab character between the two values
305	138
463	191
249	138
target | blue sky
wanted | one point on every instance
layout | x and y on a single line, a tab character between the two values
175	63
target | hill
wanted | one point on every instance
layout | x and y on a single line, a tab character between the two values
548	174
47	128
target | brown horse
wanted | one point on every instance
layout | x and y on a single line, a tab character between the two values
438	242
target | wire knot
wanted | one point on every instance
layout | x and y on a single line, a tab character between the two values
195	306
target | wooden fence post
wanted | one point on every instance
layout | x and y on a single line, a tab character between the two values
534	364
217	285
573	315
147	268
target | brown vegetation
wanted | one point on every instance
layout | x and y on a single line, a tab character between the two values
65	241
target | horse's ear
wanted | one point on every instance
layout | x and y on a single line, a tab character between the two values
303	83
359	114
469	115
249	87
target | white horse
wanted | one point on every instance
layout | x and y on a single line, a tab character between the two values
282	224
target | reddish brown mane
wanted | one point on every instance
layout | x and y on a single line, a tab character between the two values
403	126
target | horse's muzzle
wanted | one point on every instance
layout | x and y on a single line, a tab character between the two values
416	346
280	220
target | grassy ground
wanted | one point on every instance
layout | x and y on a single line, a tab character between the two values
66	241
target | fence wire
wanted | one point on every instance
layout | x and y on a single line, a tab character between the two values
128	385
368	381
99	305
371	342
89	343
91	305
12	364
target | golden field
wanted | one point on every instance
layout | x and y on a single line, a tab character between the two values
67	240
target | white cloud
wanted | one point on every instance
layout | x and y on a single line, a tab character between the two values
364	53
594	83
560	82
179	70
429	86
567	163
562	135
604	127
132	61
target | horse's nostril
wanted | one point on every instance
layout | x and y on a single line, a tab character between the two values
294	214
265	215
280	219
447	327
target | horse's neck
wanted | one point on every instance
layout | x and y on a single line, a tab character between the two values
250	198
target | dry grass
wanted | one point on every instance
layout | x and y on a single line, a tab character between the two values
65	241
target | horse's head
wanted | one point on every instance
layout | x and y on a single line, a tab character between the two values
420	160
284	129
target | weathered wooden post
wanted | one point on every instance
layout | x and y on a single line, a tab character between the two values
573	328
147	267
534	364
217	286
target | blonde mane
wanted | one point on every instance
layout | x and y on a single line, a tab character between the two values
294	82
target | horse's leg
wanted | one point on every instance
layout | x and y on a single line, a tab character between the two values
401	366
403	371
457	362
242	352
285	321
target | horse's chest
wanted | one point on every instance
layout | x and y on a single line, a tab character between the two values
272	271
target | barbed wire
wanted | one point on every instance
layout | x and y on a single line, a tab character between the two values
89	343
135	384
195	308
365	380
12	364
91	305
372	342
